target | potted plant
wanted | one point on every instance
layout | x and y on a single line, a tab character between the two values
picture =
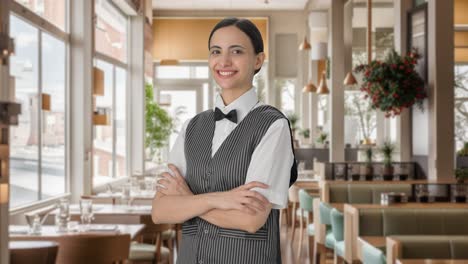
158	125
293	118
321	139
462	156
305	133
367	169
461	174
387	150
393	84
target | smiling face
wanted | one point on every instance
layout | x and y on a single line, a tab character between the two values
232	58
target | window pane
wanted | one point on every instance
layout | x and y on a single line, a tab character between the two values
120	119
52	10
103	136
201	72
183	106
53	121
24	137
360	119
287	95
173	72
110	31
461	105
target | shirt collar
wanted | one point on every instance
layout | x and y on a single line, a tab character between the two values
242	105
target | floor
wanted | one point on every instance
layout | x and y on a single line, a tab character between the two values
289	250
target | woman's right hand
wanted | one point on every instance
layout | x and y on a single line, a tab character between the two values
242	198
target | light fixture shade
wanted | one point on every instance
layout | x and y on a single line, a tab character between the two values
45	100
305	45
98	87
169	62
323	88
319	51
309	88
350	79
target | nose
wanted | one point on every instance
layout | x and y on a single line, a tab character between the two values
225	59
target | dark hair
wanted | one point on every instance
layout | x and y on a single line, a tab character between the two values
245	26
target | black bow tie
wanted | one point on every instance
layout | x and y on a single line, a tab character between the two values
231	116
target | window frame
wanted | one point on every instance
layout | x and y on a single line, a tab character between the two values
114	62
42	25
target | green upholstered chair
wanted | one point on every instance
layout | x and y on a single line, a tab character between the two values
372	255
337	224
325	218
305	211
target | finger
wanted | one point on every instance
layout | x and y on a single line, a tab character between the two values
255	204
164	182
174	169
256	195
167	175
255	184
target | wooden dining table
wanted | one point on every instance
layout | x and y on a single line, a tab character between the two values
21	232
114	214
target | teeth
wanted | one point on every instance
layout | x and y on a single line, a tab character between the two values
226	73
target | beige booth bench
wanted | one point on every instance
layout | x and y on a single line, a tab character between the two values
340	192
427	247
401	219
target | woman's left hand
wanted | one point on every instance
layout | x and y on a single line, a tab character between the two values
173	185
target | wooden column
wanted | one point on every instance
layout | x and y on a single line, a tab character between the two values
336	96
441	91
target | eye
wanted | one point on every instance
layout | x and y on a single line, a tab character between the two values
215	52
237	51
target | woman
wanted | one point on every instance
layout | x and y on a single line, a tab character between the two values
231	167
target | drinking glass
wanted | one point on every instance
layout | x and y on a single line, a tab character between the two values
125	199
86	212
63	215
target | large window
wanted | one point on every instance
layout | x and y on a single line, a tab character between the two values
38	149
110	30
109	146
461	105
287	88
360	119
52	10
110	140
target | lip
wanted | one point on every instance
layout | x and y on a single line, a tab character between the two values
233	73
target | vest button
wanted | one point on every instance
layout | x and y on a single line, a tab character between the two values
206	231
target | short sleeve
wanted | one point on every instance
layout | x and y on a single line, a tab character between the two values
271	163
177	153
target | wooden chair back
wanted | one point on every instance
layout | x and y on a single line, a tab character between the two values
96	248
42	252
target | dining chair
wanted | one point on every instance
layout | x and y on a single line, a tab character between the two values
294	199
97	248
153	252
42	252
306	206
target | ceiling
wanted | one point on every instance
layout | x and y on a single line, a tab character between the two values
229	4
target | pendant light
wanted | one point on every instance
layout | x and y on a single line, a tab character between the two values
350	79
305	45
323	88
309	88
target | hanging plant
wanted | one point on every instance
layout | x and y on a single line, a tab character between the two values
393	84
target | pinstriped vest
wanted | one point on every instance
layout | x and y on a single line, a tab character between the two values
203	242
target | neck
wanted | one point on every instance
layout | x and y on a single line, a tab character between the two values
230	95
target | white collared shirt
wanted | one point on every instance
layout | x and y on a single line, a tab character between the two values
271	160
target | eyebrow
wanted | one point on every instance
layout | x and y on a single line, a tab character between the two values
230	47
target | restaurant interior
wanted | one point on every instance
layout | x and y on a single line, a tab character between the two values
94	93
